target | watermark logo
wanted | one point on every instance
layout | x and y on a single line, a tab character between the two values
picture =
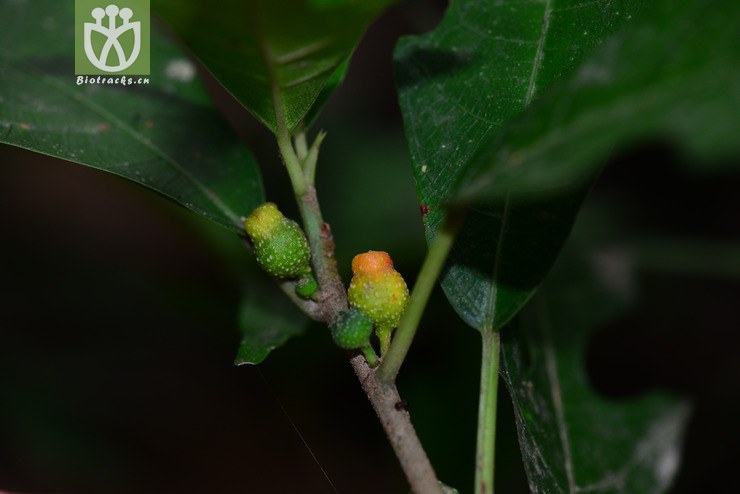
112	39
112	33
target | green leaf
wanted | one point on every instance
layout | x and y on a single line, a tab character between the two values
673	74
267	319
164	135
572	439
274	56
332	84
457	86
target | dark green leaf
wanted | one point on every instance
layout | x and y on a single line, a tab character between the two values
274	56
673	74
332	84
457	86
267	319
572	439
164	135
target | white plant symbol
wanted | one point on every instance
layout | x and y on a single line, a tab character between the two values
112	33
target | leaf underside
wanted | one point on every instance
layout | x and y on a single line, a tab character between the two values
672	75
458	85
267	320
522	152
274	56
572	439
164	135
603	74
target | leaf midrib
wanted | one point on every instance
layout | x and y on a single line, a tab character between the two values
272	61
493	296
106	115
531	90
272	79
539	54
551	369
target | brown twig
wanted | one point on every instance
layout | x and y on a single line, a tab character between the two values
383	396
331	300
397	425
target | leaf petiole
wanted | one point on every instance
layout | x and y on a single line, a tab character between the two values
428	276
486	441
292	163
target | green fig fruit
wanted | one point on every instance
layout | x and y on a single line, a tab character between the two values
352	331
281	247
379	291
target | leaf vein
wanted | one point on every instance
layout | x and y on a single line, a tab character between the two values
105	114
539	54
304	51
551	370
493	295
306	78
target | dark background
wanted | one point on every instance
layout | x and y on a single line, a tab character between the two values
117	322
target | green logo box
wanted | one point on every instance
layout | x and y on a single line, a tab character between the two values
112	37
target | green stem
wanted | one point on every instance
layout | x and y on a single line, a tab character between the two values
428	275
292	163
384	336
486	443
331	297
370	356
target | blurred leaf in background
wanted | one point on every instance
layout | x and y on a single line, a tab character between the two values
573	439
